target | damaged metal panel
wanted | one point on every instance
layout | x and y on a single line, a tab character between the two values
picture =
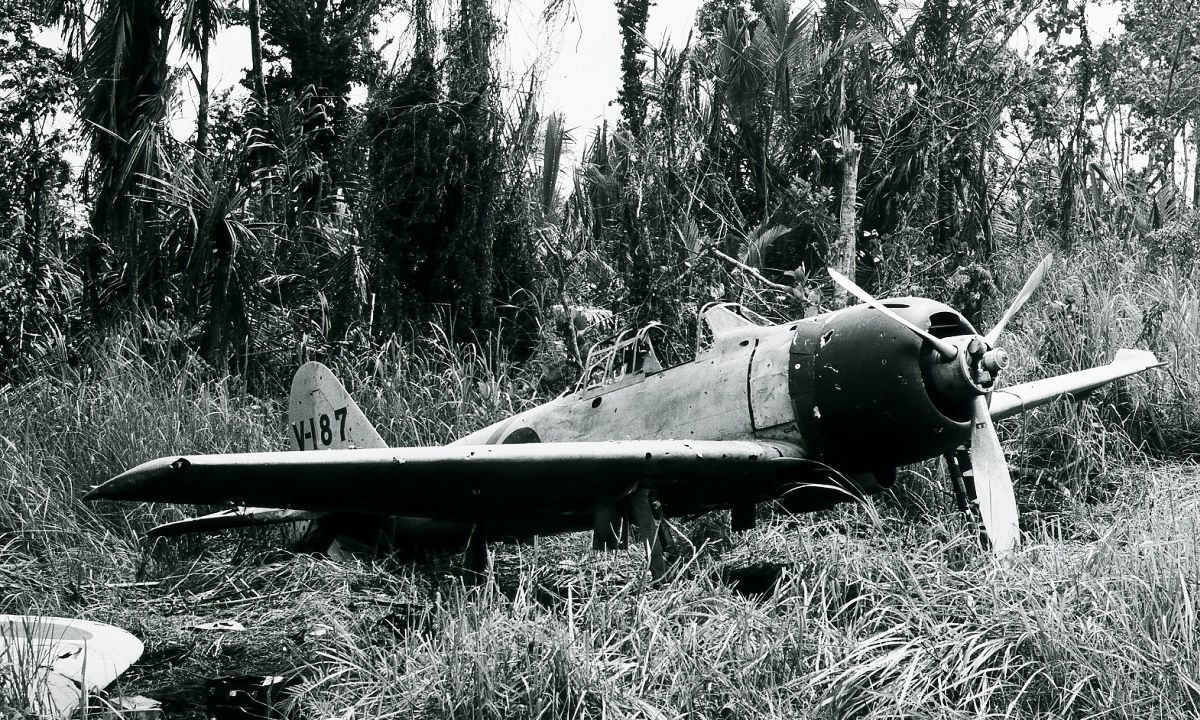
802	384
770	400
869	397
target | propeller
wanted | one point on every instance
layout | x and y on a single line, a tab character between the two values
1031	285
947	350
991	487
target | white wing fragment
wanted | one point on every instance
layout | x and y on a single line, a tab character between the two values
58	661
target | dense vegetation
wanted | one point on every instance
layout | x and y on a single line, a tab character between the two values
786	138
429	244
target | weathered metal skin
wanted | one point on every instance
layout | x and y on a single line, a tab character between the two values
707	398
809	413
737	389
861	389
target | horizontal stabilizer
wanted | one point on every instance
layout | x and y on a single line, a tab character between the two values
1026	396
232	518
460	482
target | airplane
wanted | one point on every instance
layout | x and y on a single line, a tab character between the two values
806	414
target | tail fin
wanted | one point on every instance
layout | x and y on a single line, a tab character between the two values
323	416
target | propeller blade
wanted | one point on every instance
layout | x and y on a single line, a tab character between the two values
1031	286
993	484
946	349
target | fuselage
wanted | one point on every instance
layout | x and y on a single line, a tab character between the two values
850	389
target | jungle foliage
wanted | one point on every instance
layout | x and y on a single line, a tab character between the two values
777	140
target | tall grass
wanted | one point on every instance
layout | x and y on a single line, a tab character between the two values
71	429
858	626
887	610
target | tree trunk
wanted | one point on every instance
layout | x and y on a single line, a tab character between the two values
984	203
1169	161
947	209
841	257
256	61
1187	166
213	345
631	16
1196	173
1066	195
202	90
1069	161
258	158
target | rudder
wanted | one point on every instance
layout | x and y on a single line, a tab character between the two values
323	416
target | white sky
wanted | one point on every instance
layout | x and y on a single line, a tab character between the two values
585	62
580	56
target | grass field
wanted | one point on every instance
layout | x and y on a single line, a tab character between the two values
880	610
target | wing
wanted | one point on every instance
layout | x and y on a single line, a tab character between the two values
464	482
1026	396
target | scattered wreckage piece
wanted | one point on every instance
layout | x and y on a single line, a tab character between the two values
219	626
135	707
807	414
248	697
60	662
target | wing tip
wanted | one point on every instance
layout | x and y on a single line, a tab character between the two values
130	484
1145	358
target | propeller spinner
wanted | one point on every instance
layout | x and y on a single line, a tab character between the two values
968	369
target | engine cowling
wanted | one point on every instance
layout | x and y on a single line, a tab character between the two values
865	389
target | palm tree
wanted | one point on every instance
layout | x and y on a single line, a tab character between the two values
73	16
254	18
125	93
203	213
199	22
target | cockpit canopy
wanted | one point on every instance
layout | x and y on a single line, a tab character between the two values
720	318
644	352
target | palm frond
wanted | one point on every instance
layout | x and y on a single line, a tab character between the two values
758	242
556	137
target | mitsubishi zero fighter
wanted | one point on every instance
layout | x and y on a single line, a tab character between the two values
804	414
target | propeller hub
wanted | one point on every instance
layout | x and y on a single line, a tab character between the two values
994	360
971	372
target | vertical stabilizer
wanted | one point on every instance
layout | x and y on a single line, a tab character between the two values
323	416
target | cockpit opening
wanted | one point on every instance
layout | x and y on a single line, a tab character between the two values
631	355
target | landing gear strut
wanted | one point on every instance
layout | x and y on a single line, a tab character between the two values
962	482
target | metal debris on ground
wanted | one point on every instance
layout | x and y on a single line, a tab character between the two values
220	626
247	697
